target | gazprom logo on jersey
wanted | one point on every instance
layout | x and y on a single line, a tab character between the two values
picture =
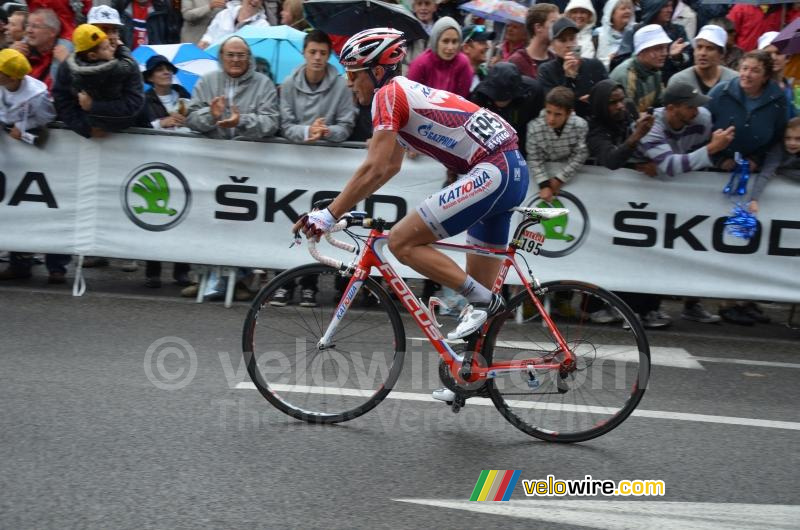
467	188
426	132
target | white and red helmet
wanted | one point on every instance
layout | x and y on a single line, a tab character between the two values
373	47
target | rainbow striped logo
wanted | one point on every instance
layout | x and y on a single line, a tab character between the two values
495	485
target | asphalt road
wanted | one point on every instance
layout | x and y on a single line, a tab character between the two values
88	440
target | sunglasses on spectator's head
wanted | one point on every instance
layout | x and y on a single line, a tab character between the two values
474	31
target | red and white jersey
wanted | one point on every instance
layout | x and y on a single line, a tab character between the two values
447	127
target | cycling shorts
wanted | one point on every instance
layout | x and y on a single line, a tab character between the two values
480	201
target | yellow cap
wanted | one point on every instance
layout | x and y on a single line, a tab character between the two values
86	36
14	64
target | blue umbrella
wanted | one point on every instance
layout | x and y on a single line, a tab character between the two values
281	46
191	61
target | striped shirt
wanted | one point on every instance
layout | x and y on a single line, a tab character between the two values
677	151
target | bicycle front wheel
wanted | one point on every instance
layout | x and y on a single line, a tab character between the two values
338	382
612	363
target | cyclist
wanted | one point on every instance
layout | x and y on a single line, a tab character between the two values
470	140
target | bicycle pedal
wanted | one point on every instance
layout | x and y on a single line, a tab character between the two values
458	404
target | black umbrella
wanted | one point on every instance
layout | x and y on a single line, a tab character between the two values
348	17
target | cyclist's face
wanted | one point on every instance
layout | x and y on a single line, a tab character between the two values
362	86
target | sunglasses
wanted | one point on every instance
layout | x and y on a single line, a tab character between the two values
474	31
351	73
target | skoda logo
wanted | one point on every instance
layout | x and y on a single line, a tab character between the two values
156	196
564	234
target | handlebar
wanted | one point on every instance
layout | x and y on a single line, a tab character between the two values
346	222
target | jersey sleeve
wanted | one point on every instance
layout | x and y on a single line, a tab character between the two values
390	108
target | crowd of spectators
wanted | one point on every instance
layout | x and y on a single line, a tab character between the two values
660	86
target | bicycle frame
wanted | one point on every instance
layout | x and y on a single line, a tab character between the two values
372	257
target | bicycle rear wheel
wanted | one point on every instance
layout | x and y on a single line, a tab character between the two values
338	383
613	364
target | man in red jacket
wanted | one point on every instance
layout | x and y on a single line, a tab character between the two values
65	10
753	21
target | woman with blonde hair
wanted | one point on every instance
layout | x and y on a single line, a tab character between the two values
292	15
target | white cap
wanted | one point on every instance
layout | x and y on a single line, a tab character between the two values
649	36
713	34
766	39
103	15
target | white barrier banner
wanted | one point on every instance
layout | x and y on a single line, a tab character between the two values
187	199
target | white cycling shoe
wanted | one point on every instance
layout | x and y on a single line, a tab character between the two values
473	316
444	394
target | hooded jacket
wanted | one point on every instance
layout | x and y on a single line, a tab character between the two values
224	23
431	70
28	107
606	138
591	71
585	40
301	104
755	130
609	39
525	106
252	93
115	87
650	9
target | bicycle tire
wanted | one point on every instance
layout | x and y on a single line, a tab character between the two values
267	329
566	409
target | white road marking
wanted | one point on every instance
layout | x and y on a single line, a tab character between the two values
612	515
749	362
639	413
661	356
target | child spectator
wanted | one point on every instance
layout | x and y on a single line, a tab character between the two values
782	159
25	104
557	135
98	89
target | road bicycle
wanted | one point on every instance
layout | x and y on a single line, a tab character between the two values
545	363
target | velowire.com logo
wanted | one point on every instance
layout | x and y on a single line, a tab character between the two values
495	485
156	196
564	234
